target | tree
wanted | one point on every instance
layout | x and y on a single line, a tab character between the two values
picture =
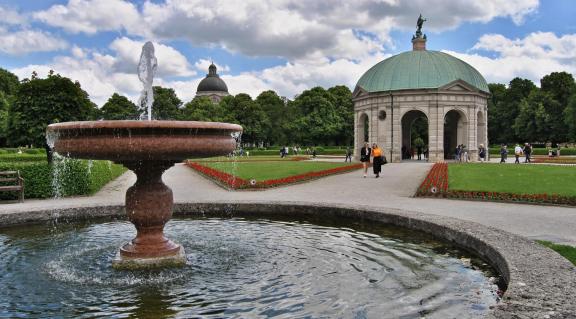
40	102
202	109
345	108
118	107
319	120
518	89
570	118
533	121
241	109
496	103
166	104
560	86
275	109
8	87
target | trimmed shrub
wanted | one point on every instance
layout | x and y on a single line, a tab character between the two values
24	157
76	177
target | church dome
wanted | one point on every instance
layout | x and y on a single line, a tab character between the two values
420	69
212	82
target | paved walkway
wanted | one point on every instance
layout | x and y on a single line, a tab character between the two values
394	189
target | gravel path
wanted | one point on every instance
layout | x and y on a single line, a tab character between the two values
394	189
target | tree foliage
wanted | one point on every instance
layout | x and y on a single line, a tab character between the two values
166	104
523	112
8	87
202	109
118	107
40	102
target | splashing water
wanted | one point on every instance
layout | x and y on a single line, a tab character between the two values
146	71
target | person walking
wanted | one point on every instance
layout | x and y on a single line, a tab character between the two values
503	153
365	153
348	155
377	161
517	153
419	150
527	153
482	153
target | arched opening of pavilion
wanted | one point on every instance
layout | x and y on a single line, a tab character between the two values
455	133
414	135
363	129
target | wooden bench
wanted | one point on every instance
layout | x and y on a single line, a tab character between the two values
11	181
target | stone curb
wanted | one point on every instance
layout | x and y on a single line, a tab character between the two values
540	282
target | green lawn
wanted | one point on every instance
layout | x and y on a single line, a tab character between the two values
510	178
262	171
247	158
568	252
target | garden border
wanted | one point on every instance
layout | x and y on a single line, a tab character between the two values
435	184
232	182
540	282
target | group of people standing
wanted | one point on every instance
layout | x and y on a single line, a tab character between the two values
377	155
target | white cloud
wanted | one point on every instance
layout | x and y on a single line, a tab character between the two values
16	37
281	28
532	57
101	75
171	61
91	16
11	17
26	41
203	64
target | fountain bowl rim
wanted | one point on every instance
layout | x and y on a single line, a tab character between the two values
136	124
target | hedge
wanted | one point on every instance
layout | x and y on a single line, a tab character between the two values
535	151
14	157
23	150
76	177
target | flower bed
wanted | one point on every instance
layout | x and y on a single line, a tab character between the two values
436	185
233	182
555	160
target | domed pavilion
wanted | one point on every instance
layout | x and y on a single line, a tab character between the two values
429	94
212	86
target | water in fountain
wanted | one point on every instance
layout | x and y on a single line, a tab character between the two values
244	268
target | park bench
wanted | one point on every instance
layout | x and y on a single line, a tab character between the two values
11	181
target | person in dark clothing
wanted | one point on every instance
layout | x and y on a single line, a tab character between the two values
527	153
419	149
503	153
348	155
365	153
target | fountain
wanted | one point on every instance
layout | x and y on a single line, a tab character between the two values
148	148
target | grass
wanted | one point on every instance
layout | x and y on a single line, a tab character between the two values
262	171
249	158
517	179
566	251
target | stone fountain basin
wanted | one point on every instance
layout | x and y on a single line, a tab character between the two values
143	140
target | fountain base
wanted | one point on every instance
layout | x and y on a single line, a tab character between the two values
130	263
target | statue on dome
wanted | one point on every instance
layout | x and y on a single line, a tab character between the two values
419	24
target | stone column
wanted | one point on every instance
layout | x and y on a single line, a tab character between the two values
435	132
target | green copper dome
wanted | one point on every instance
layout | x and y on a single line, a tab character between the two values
420	70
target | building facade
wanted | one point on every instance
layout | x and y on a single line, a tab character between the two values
445	91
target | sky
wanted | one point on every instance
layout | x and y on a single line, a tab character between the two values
283	45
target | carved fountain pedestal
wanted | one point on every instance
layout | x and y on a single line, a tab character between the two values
148	148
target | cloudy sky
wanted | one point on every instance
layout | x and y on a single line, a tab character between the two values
283	45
